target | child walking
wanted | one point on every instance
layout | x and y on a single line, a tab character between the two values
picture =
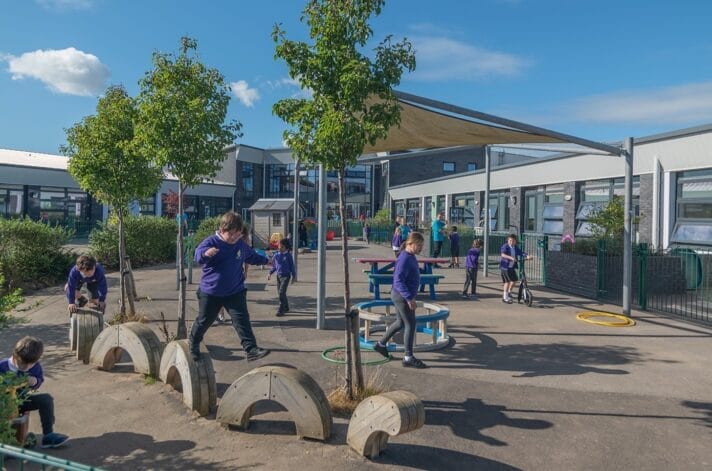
406	280
508	266
454	248
367	233
25	363
283	264
472	263
86	270
223	284
397	240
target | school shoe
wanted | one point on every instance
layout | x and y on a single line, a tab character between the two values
381	349
414	363
280	314
256	353
53	440
507	300
465	295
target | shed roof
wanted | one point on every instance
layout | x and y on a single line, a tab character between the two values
276	204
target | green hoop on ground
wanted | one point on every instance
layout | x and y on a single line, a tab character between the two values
586	316
380	361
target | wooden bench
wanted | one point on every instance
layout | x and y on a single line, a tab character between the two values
378	279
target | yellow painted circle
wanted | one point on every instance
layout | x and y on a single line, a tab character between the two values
586	316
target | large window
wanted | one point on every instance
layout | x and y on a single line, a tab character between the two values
465	204
596	194
11	201
248	178
147	206
693	222
553	213
534	210
499	211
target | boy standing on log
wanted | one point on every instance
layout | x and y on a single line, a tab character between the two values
223	284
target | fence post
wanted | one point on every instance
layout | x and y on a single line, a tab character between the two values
543	243
601	253
642	272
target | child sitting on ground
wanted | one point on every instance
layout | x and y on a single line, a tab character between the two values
472	263
24	362
88	271
283	264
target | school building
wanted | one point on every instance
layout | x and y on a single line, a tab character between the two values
555	194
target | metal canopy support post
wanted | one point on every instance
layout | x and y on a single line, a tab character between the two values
485	265
628	224
321	253
295	226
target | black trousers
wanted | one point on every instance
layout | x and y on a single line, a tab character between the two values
93	289
406	319
282	283
236	305
44	403
437	247
471	279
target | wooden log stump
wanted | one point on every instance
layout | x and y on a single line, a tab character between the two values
195	379
136	339
295	390
378	417
85	325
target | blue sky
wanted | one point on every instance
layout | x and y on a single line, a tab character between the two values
601	70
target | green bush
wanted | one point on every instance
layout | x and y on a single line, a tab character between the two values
149	239
31	253
206	228
9	405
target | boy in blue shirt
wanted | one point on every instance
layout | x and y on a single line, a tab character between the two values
283	264
508	266
24	362
223	284
437	228
88	271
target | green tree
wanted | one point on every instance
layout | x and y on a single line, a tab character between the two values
352	104
608	222
103	160
181	124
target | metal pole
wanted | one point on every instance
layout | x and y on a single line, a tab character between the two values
485	267
627	230
295	227
321	253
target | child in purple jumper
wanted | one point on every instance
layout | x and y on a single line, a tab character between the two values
25	363
472	263
397	240
283	264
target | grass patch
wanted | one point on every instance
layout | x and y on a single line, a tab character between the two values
340	403
149	380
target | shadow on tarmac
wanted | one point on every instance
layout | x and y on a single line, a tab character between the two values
533	359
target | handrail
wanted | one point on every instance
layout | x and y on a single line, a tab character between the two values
42	459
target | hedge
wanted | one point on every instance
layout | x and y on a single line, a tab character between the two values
31	253
149	239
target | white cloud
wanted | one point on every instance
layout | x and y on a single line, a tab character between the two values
242	91
441	58
66	4
68	71
288	82
670	105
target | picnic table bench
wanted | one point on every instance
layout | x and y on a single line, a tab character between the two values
378	279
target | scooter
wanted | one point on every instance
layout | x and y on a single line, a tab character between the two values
525	294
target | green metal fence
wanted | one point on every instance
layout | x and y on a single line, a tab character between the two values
23	459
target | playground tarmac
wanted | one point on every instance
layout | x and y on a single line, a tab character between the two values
520	388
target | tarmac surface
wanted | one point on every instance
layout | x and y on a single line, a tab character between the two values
520	388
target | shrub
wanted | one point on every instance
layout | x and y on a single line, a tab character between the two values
9	404
206	228
149	239
31	253
8	300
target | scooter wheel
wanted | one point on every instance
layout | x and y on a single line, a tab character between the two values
528	299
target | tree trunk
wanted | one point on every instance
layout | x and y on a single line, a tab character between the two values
295	226
354	370
122	280
182	330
